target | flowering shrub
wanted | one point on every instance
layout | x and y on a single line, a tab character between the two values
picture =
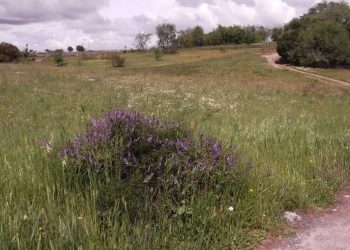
127	147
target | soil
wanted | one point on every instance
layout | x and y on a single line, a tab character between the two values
326	230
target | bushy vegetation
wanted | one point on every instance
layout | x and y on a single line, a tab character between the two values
58	57
130	153
117	60
158	53
319	38
9	53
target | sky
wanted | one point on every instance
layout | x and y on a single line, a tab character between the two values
113	24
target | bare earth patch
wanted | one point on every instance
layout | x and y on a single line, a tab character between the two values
325	231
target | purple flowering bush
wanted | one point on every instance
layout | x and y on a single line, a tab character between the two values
136	158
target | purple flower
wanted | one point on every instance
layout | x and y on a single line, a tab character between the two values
216	150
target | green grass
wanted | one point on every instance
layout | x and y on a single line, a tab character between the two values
339	74
294	130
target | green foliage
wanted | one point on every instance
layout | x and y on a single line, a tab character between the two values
158	54
9	53
166	33
275	34
198	36
117	60
58	57
185	39
237	35
70	49
319	38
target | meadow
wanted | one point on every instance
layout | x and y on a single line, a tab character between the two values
292	132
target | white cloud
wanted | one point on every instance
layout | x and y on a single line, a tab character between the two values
112	24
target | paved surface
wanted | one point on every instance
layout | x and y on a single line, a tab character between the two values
272	58
330	231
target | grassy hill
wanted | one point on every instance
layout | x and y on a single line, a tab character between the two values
291	131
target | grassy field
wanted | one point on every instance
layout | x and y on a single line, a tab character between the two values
294	131
340	74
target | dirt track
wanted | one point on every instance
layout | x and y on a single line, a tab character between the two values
329	231
273	58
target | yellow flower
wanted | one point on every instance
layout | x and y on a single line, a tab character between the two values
80	217
251	190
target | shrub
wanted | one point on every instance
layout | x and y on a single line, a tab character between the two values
158	54
80	48
9	53
319	38
117	60
130	155
58	57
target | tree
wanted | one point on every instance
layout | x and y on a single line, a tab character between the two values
141	40
80	48
166	33
237	33
184	38
9	53
318	38
198	36
70	49
214	38
275	34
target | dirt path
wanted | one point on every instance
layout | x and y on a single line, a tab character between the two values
272	58
328	231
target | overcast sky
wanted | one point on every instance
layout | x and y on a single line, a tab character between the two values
113	24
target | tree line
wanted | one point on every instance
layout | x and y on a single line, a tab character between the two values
169	37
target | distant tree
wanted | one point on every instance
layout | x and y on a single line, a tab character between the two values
250	35
185	39
214	38
166	33
25	52
80	48
9	53
70	49
261	34
198	36
48	51
237	33
141	40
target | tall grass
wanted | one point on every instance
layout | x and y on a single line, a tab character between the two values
293	133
